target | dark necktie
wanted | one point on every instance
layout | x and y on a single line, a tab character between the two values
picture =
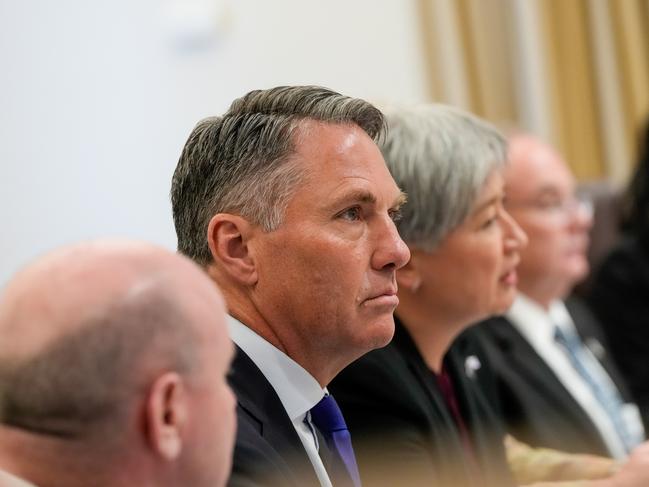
326	416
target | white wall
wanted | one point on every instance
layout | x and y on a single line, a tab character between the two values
98	97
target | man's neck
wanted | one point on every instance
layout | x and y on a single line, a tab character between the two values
543	293
322	364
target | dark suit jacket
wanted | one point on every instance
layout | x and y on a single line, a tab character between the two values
402	430
268	451
537	408
620	298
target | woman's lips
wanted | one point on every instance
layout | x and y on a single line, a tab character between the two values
510	278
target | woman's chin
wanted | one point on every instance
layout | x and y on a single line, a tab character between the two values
504	303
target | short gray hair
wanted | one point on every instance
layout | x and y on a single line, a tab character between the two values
237	163
441	158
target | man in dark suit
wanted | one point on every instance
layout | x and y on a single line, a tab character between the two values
557	386
287	203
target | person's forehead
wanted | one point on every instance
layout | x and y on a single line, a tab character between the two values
318	141
341	158
538	171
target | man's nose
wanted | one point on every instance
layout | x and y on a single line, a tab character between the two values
582	215
391	251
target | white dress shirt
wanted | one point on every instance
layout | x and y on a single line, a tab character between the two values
297	389
537	326
10	480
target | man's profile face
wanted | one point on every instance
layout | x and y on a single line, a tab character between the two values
541	198
327	274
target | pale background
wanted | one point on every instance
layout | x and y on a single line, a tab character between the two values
97	97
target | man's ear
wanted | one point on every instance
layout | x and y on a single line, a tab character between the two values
166	415
409	277
227	236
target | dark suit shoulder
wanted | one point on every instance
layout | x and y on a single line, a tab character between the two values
268	452
584	319
402	428
471	367
255	463
376	376
535	405
389	417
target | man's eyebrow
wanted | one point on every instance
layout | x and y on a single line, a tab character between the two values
357	196
400	200
364	196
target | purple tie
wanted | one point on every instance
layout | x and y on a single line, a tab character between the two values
326	416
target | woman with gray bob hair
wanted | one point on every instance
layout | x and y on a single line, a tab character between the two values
440	157
424	409
417	402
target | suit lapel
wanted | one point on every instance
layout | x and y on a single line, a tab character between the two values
520	355
448	443
484	426
420	370
259	400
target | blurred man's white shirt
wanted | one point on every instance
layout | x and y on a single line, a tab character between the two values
537	326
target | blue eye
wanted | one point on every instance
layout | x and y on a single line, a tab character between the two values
351	214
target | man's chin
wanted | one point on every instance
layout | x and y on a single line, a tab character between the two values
376	335
578	270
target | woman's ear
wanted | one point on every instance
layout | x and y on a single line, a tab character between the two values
409	277
166	415
228	236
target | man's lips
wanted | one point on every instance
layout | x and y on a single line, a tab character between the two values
387	297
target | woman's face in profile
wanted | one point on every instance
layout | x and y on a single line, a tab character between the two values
472	274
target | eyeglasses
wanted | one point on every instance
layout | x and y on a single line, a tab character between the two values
576	205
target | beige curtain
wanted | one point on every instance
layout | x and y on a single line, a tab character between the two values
575	72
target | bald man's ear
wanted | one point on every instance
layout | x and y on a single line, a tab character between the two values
228	237
166	415
409	277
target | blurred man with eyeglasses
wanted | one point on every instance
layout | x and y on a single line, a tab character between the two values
557	386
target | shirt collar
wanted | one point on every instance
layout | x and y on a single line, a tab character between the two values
296	388
534	322
10	479
561	317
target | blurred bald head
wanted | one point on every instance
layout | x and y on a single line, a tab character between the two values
112	343
541	197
